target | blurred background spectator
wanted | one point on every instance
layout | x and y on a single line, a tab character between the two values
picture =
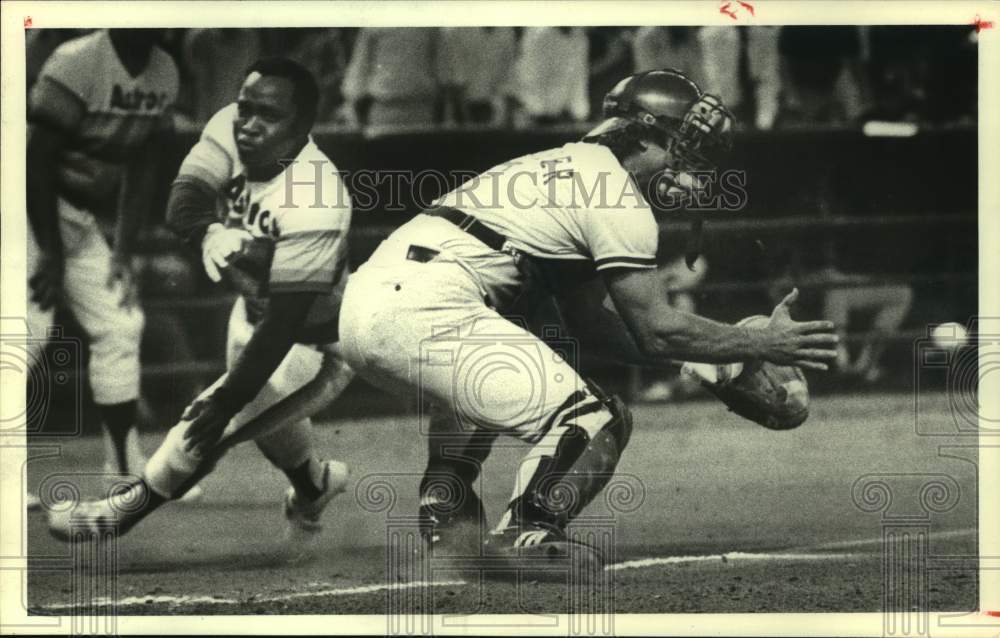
740	65
610	61
858	303
886	306
552	75
790	76
392	77
216	60
475	71
822	79
670	48
325	52
921	73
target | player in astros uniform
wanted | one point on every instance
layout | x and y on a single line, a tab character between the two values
282	242
99	103
426	312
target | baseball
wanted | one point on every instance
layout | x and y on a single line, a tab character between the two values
949	335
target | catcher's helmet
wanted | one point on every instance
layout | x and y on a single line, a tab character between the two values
694	126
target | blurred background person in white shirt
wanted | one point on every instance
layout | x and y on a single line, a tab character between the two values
552	75
391	79
475	71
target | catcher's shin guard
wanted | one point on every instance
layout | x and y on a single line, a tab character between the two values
572	462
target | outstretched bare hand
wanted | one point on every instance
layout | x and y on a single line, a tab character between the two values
806	344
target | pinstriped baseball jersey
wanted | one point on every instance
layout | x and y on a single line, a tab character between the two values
121	110
575	202
305	212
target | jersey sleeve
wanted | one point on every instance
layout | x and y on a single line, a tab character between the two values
72	66
620	230
211	159
310	250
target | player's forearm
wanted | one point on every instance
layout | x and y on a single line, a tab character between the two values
42	204
272	338
191	210
689	337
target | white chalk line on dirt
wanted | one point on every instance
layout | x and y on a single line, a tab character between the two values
727	557
785	554
176	601
954	533
801	554
211	600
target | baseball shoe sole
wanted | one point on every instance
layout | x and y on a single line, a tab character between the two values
303	517
540	553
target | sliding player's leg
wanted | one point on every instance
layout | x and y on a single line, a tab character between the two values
174	469
314	481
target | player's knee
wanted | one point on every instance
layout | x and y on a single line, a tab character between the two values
121	334
595	414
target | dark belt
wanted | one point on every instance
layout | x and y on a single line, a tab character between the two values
464	221
471	225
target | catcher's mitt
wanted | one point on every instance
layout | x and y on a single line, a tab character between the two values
774	396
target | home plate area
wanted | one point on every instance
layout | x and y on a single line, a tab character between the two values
722	517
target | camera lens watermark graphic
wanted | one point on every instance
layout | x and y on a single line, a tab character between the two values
50	364
482	368
970	368
494	375
957	360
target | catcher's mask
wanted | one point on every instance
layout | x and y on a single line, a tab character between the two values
695	127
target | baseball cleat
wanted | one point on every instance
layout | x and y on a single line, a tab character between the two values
542	552
452	529
101	519
87	521
303	516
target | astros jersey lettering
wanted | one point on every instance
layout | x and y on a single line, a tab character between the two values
305	212
121	111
